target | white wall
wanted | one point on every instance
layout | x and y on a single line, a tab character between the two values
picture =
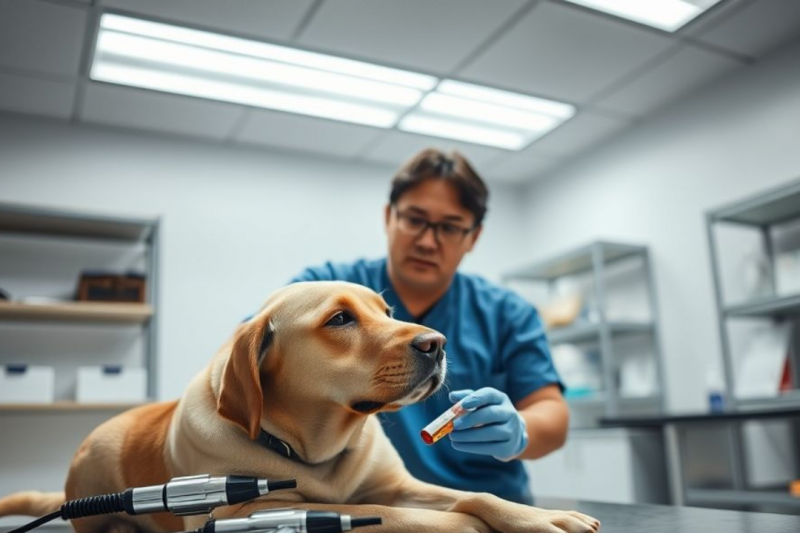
237	223
653	185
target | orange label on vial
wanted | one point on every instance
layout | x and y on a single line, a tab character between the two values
443	424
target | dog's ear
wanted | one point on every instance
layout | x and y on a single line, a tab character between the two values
240	397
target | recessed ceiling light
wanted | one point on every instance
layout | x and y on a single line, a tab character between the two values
667	15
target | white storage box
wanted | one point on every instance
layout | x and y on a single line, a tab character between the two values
26	384
111	384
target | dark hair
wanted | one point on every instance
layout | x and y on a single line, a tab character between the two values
453	168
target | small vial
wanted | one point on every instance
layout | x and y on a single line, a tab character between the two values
443	423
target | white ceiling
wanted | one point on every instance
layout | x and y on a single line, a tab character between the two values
616	72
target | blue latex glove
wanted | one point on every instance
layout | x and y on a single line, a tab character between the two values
502	433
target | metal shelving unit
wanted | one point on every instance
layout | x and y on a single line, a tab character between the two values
761	213
30	222
594	259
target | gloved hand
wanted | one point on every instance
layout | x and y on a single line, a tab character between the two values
502	433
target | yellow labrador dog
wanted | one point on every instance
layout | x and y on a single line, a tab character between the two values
310	368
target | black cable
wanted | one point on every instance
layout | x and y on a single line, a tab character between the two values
38	522
91	506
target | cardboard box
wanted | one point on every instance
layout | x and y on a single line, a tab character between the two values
26	384
111	384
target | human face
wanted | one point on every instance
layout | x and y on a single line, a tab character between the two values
424	261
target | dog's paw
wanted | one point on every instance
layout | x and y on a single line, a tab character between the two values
553	522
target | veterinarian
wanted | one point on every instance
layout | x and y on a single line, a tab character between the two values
497	353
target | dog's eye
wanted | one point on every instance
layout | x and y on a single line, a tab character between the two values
342	318
388	312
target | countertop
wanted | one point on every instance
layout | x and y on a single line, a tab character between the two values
641	518
702	418
623	518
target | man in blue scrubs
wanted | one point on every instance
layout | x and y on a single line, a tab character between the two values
497	354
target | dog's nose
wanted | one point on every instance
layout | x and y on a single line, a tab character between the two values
430	344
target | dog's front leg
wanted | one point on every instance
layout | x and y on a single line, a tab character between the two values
499	514
395	520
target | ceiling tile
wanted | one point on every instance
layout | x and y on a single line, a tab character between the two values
563	52
41	36
397	147
36	96
522	167
270	19
689	69
579	133
712	16
420	34
282	130
135	108
755	29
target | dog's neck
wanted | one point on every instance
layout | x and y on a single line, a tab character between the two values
316	430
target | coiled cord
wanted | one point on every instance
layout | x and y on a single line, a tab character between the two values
93	506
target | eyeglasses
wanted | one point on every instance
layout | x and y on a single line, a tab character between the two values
444	232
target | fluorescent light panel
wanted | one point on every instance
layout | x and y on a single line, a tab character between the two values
452	129
190	62
482	115
184	61
667	15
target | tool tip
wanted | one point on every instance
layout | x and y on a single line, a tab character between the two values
366	521
283	484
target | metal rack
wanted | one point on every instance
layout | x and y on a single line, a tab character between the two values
594	259
762	213
32	222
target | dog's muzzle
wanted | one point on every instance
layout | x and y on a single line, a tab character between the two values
428	352
430	347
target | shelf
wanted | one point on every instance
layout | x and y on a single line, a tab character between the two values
782	400
742	497
772	207
87	312
589	332
65	407
767	307
600	398
58	222
575	262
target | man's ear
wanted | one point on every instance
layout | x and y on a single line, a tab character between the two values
473	237
241	399
387	212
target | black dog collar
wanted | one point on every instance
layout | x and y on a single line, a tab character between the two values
278	446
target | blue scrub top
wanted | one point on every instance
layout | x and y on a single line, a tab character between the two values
494	339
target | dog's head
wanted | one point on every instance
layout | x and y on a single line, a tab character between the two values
328	344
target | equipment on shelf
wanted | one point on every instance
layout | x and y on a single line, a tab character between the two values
111	287
561	311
